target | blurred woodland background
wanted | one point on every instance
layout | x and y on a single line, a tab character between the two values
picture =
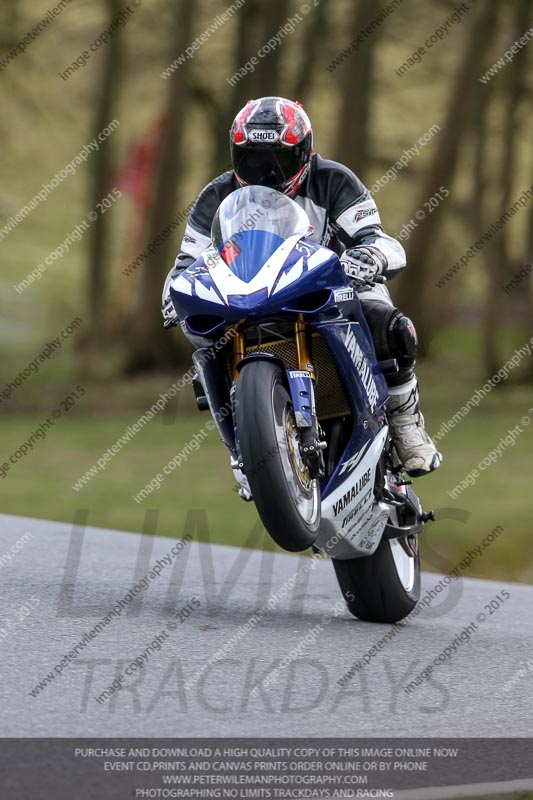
345	66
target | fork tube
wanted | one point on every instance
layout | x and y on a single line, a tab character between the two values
239	350
303	348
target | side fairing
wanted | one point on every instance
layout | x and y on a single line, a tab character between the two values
352	351
352	521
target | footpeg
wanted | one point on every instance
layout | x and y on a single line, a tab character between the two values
427	516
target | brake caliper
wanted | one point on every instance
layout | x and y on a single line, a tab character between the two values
313	443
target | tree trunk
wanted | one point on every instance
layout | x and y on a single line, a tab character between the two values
498	260
10	28
441	172
315	35
248	41
102	165
151	346
480	210
267	75
254	28
355	78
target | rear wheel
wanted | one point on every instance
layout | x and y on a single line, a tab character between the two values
286	497
383	587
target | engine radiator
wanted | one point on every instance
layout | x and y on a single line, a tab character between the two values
330	397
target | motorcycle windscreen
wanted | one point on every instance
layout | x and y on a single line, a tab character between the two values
249	255
250	225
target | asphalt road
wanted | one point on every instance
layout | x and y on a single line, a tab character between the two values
61	582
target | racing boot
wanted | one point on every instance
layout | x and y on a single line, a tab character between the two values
414	447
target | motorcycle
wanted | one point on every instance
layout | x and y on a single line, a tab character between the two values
281	340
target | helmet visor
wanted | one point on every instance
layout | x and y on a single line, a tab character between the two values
271	166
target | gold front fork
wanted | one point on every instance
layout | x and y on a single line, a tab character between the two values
303	346
238	350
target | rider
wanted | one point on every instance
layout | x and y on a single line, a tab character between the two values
271	143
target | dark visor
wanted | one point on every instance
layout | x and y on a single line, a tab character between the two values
266	167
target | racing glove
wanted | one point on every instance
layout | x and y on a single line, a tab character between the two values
169	313
361	263
167	306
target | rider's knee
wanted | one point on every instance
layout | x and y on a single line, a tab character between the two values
394	336
401	334
403	345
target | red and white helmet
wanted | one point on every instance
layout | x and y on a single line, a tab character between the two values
271	142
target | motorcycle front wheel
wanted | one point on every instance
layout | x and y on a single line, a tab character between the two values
286	497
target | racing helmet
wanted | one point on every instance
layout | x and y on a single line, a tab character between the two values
271	143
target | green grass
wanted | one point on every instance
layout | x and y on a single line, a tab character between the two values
520	796
40	484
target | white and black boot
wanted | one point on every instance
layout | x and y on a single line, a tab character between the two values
414	447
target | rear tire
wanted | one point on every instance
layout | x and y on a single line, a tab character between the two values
383	587
287	500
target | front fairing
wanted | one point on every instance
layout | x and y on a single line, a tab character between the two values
308	268
260	262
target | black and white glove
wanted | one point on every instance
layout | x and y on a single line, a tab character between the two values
362	263
167	306
169	313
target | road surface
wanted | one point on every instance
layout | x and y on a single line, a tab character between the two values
200	644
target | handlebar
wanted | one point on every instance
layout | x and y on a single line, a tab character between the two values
369	281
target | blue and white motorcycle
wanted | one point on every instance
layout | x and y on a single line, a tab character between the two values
282	342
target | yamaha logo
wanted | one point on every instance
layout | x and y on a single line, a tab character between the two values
258	135
363	368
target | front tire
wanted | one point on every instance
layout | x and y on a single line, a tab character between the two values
287	499
383	587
